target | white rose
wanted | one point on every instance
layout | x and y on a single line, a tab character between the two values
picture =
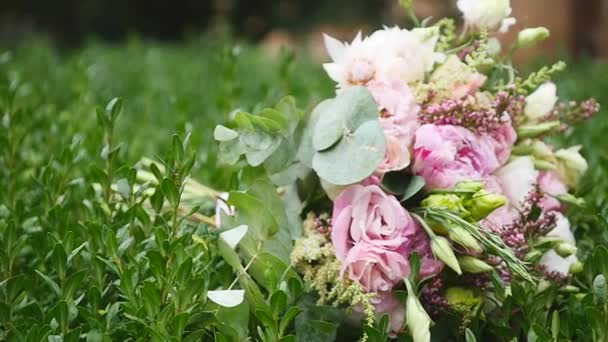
551	260
571	165
541	102
517	179
490	14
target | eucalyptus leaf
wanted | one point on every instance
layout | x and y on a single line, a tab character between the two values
355	158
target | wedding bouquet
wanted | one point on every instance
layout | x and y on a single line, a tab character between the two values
423	197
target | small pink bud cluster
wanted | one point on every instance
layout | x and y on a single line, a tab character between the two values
323	225
432	298
572	112
553	276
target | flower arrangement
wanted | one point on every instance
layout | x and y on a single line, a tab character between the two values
425	193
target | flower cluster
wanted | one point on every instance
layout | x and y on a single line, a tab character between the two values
433	153
465	146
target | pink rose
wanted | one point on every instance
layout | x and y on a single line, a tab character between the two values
389	304
551	186
399	118
373	236
375	268
367	214
446	155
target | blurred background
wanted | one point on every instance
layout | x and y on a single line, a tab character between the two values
578	27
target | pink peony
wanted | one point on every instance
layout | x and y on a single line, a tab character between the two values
502	140
446	155
373	236
551	186
399	118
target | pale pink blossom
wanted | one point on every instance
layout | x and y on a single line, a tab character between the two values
551	186
389	304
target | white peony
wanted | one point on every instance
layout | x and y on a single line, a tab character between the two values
541	102
551	260
388	54
571	165
517	179
490	14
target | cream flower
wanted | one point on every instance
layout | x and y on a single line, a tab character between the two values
517	179
386	55
490	14
551	260
540	103
571	165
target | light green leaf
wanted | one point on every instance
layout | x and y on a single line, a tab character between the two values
223	133
226	298
233	236
355	158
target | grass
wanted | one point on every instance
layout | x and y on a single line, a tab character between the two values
76	260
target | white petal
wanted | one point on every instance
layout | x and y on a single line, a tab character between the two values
233	236
506	24
335	48
334	71
227	298
517	180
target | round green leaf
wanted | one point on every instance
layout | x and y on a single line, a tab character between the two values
354	158
343	115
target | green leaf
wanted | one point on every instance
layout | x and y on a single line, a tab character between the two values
289	316
415	185
354	158
352	108
113	108
317	331
74	283
170	191
470	337
600	289
51	283
278	302
254	212
60	313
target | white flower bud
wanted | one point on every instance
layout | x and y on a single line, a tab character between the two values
541	102
442	249
565	249
530	36
473	265
489	14
571	165
418	321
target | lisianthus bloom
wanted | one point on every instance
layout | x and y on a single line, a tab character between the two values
389	304
445	155
373	236
366	213
399	119
388	54
541	102
552	261
490	14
